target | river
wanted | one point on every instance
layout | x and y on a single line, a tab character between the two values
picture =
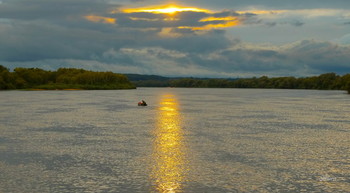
185	140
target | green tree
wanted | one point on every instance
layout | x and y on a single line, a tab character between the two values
7	80
33	76
326	81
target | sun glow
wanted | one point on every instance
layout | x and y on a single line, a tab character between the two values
166	9
168	19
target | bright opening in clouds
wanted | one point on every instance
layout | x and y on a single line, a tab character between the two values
167	9
171	17
187	38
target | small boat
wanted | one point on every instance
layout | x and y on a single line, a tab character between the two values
142	103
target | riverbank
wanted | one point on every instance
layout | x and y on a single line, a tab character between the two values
328	81
62	79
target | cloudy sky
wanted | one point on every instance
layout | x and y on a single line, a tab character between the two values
221	38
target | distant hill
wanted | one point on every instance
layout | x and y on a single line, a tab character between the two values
161	81
139	77
149	80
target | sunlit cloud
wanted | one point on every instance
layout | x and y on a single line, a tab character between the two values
230	18
229	23
100	19
169	17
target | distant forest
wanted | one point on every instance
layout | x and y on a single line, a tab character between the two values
328	81
71	78
63	78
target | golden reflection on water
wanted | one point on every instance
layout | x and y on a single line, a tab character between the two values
168	172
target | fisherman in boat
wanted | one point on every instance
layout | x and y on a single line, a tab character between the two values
142	103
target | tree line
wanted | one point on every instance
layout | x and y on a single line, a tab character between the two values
328	81
71	78
63	78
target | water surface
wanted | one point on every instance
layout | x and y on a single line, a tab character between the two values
186	140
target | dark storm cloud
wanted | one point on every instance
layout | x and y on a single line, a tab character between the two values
204	43
322	56
40	40
303	58
298	59
33	30
50	9
292	23
34	41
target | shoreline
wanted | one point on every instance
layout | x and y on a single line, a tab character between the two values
39	89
